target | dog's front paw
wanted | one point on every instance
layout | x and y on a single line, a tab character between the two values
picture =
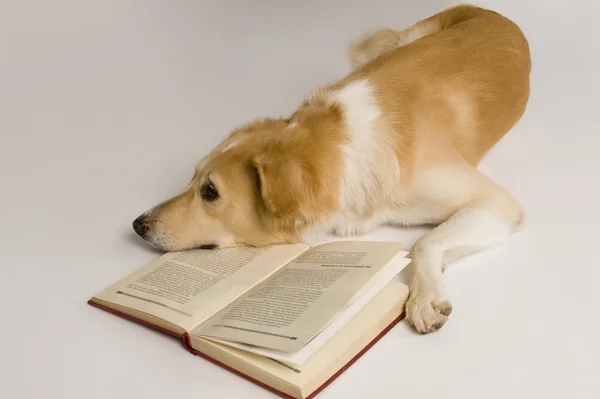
428	307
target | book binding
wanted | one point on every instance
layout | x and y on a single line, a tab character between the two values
185	338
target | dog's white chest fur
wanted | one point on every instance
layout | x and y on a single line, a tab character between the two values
370	170
370	165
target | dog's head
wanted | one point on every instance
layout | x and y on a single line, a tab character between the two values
259	187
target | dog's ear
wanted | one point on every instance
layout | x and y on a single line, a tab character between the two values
283	183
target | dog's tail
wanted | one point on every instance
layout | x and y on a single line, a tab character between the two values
372	45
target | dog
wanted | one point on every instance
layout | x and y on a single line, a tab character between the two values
396	142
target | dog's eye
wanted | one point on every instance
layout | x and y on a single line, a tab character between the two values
208	192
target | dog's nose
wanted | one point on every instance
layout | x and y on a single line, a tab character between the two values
140	225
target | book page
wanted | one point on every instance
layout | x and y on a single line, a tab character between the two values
356	304
291	307
301	381
185	288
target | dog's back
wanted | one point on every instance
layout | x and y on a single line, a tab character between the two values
459	78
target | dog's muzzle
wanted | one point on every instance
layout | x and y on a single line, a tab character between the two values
141	226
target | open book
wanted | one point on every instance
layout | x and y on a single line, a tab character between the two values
289	317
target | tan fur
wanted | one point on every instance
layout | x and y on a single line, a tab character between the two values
448	89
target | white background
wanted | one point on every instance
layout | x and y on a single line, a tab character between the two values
106	106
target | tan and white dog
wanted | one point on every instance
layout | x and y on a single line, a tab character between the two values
396	142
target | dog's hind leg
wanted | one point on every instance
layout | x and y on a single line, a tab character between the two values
489	218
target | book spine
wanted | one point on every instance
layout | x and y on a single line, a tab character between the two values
188	346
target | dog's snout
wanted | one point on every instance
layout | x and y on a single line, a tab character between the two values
141	226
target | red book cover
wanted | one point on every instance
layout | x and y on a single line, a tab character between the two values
186	343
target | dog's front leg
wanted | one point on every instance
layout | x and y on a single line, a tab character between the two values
483	223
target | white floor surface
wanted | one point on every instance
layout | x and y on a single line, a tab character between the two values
104	109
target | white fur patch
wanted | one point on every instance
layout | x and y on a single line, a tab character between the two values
370	164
